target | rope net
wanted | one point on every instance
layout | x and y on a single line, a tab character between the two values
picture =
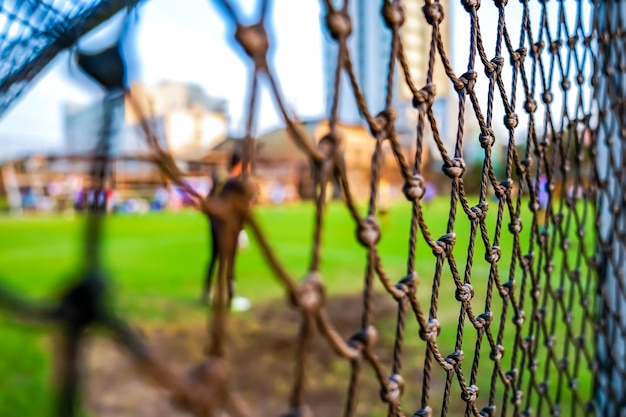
538	325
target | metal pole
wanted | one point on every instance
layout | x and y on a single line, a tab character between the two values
610	384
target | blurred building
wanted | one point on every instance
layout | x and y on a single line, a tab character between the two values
191	121
188	122
370	45
284	173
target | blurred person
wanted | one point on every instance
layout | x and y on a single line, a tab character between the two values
430	193
222	187
278	193
291	193
384	197
160	200
544	195
30	199
175	201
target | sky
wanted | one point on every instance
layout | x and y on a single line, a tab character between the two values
195	44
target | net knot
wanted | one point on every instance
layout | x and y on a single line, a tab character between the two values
329	144
364	337
339	24
579	342
415	188
493	255
253	39
466	82
585	301
572	41
464	293
470	394
488	411
81	304
470	5
494	67
309	295
424	412
425	97
454	359
518	319
524	165
433	13
537	48
511	376
500	3
530	105
454	168
484	320
383	121
393	389
368	232
535	292
555	46
431	331
478	212
505	187
508	288
496	353
518	56
393	13
107	67
510	121
444	245
546	97
565	84
407	283
550	341
238	193
568	317
487	139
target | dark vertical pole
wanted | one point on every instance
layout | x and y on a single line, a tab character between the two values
610	384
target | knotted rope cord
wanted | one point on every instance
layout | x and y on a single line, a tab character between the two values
553	344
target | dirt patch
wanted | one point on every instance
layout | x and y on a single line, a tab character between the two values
261	351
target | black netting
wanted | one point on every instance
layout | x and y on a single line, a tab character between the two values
33	32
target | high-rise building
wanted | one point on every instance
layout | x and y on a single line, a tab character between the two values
369	47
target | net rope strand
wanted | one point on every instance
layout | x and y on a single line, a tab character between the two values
534	331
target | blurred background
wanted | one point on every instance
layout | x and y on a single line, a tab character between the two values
194	80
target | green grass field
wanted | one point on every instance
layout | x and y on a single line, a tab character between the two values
156	262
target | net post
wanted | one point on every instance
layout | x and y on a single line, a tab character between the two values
609	384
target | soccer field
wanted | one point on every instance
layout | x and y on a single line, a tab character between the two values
161	257
156	263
